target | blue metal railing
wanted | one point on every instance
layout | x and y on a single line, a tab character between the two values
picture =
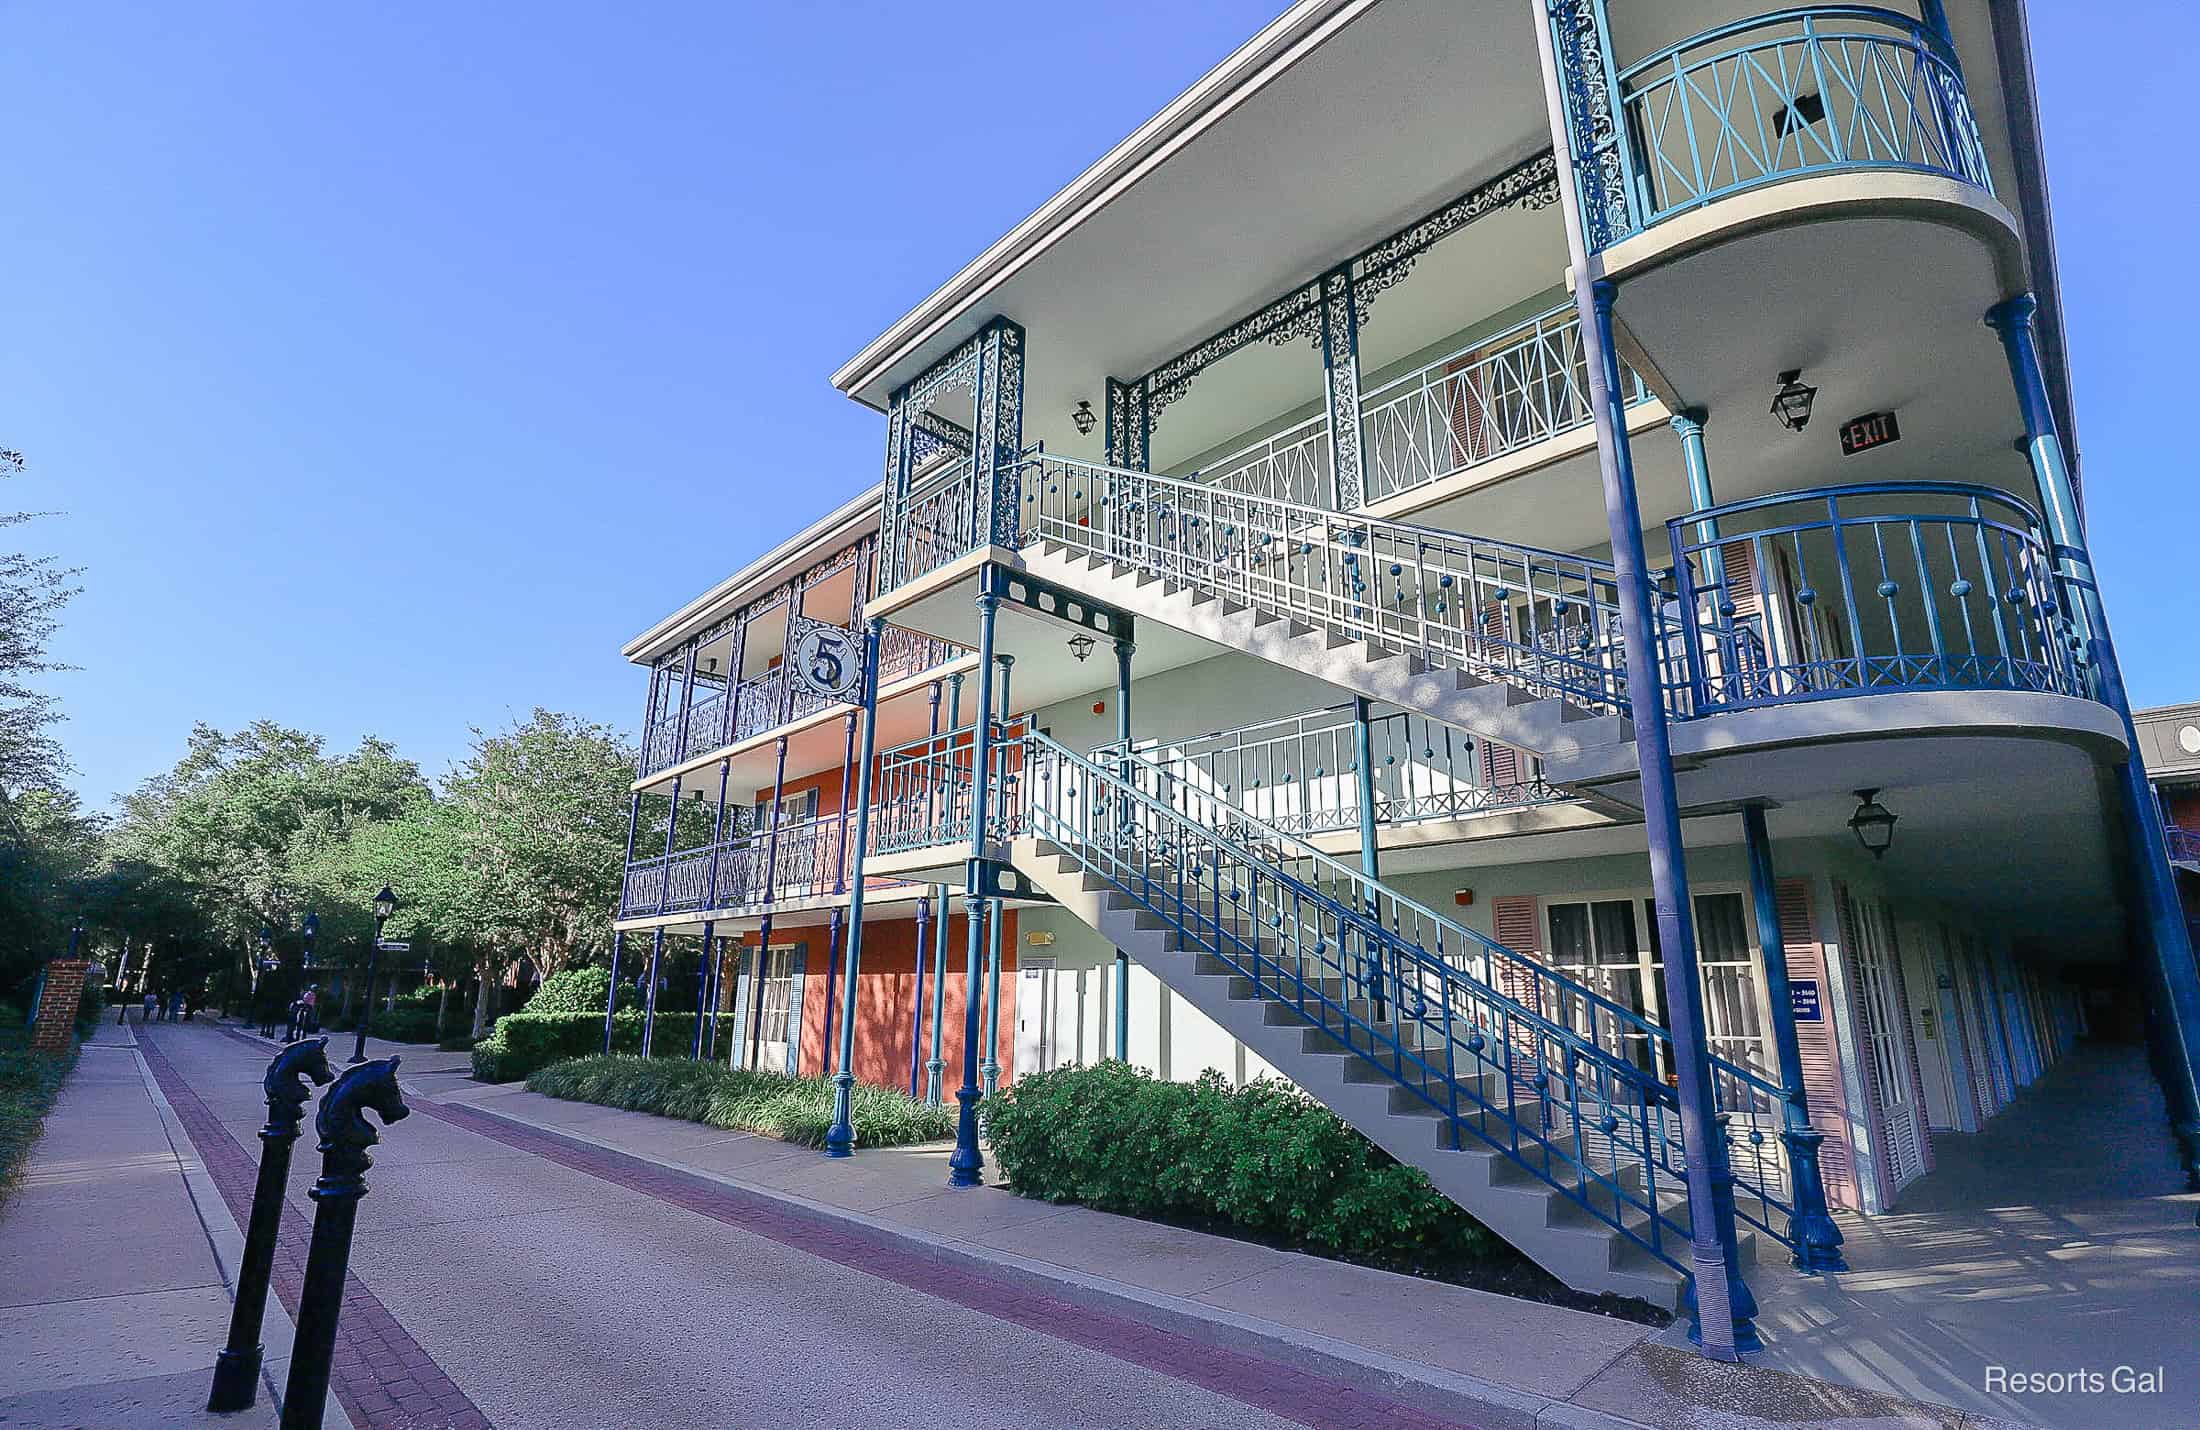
812	861
1502	394
1545	621
770	700
1561	1079
1861	589
1799	91
1299	774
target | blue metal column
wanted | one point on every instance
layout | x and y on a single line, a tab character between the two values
840	1138
2176	979
916	1012
1687	424
1124	648
1817	1239
702	993
1722	1309
833	930
992	1063
611	999
934	1064
1363	769
966	1166
649	999
717	836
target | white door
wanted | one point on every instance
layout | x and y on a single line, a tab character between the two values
768	1049
1036	992
1930	1031
1887	1039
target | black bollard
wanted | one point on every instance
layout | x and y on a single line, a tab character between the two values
345	1138
237	1369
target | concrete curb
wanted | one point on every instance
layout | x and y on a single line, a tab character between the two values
1424	1387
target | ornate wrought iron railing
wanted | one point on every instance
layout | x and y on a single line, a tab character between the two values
808	860
1496	396
1858	589
1546	621
938	522
1798	91
921	794
1558	1077
1291	465
1299	774
771	700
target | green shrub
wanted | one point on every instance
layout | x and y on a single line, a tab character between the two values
522	1042
1263	1160
29	1083
794	1109
578	990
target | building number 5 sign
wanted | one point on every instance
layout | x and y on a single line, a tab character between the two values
828	660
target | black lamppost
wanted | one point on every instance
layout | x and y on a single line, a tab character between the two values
263	989
385	904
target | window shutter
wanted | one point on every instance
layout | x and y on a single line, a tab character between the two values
1821	1058
794	1009
744	982
1518	922
1741	579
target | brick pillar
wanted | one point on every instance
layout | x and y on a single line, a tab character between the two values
57	1004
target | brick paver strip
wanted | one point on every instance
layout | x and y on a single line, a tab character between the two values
1266	1384
377	1368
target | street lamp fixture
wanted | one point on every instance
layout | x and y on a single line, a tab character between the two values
385	904
1791	404
1873	823
307	933
1085	418
1081	647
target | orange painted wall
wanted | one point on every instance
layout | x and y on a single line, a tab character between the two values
886	998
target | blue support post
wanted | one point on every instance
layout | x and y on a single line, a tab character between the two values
2176	980
611	999
916	1014
833	929
992	1064
649	998
1687	424
1125	647
935	1066
965	1168
840	1138
1363	768
702	994
1817	1239
1723	1312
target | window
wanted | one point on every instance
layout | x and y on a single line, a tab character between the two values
1611	947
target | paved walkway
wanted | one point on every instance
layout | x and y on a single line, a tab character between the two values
2059	1238
119	1258
528	1262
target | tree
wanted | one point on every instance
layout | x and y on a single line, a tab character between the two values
33	589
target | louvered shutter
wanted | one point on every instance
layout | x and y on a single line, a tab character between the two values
1819	1053
794	1009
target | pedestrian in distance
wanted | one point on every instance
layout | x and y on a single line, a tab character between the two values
152	1004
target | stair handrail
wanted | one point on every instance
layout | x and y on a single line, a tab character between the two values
1497	1025
1457	581
1739	1088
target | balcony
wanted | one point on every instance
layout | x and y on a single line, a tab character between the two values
1798	92
1299	774
770	701
1866	589
800	861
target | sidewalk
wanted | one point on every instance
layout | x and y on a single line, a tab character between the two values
1450	1351
121	1260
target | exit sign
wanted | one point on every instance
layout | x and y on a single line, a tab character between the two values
1873	429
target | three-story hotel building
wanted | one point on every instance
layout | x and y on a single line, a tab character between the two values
1518	564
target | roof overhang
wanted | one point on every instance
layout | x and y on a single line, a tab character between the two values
856	519
1288	39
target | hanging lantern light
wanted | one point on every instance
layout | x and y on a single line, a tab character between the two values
1873	823
1081	647
1791	404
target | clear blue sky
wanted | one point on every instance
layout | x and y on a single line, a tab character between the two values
392	365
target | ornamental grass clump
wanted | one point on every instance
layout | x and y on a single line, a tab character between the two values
793	1109
1263	1161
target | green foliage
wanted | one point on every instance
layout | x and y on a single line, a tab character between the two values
1263	1160
795	1109
521	1043
577	990
29	1083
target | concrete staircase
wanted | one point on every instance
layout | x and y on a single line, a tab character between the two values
1482	701
1522	1190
